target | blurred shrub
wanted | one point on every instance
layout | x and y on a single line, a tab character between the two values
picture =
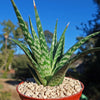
4	75
6	58
20	65
5	96
1	86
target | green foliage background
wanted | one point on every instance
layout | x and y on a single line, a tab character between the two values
21	68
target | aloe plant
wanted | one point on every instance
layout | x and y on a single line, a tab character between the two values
48	67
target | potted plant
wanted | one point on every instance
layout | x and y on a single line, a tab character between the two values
48	68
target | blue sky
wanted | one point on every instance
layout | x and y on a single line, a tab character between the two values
73	11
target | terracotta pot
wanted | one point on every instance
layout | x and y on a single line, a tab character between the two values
72	97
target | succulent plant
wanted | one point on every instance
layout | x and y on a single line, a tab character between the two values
48	67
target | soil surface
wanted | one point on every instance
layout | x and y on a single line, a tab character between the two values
9	85
68	87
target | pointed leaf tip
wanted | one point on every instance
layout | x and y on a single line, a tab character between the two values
68	24
34	3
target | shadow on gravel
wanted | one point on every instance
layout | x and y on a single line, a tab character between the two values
12	82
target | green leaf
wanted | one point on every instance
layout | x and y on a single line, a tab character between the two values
23	26
21	22
57	78
64	39
33	61
34	75
36	45
53	44
37	52
42	39
68	54
75	58
33	31
26	50
60	48
61	71
44	49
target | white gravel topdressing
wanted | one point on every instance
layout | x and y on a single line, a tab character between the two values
67	88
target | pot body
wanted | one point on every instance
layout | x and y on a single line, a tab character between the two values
72	97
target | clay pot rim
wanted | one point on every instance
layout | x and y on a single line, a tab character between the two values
74	95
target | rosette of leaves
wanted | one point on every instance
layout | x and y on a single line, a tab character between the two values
48	67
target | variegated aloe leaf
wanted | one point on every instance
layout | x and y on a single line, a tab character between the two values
35	37
33	61
68	54
53	44
44	49
60	48
36	45
40	32
23	26
37	51
59	75
34	75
